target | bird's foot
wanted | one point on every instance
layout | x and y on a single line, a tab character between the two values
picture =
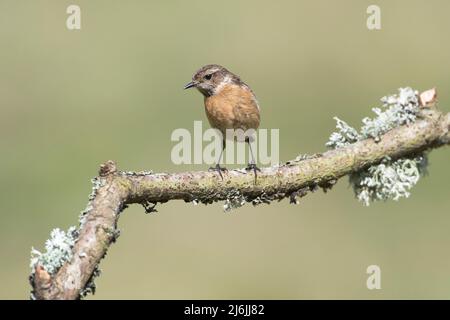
219	170
252	166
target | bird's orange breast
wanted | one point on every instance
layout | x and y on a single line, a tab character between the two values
233	107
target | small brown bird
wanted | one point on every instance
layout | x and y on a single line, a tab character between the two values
229	104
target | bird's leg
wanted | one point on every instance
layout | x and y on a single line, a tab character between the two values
218	168
252	164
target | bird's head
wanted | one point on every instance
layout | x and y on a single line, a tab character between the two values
211	78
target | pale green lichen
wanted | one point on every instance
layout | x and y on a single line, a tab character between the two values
388	180
58	250
397	110
262	198
91	286
302	157
234	200
136	173
344	136
59	246
97	183
391	179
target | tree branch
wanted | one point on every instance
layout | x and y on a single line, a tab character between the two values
116	189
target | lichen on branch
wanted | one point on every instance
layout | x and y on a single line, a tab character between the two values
58	250
384	159
390	179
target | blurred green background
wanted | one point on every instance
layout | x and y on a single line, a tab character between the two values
69	100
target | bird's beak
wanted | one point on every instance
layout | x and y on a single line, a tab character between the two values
189	85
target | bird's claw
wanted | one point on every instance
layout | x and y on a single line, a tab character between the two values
252	166
219	169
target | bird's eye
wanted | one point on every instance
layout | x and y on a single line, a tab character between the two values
208	76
